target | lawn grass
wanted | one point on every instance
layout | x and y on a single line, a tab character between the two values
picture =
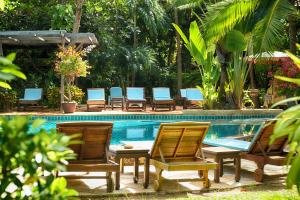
251	195
278	195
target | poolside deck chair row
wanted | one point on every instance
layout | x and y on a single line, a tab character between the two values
135	97
177	147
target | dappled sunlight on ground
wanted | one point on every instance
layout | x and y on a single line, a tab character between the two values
178	182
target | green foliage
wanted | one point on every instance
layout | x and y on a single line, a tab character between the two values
150	15
247	101
204	56
9	71
237	75
8	98
288	123
53	95
268	31
70	65
266	19
62	17
223	16
2	4
235	41
29	158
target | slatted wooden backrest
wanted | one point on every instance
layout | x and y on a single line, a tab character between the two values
260	143
179	140
95	138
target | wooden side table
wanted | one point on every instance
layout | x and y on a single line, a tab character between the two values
218	154
120	153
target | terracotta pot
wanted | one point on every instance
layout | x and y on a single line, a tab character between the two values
69	107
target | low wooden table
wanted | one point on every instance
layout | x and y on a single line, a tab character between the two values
219	153
120	153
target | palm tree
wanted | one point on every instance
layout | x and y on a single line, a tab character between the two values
265	19
147	15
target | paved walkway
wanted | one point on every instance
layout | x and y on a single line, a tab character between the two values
91	188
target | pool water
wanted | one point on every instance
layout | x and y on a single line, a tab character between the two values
147	130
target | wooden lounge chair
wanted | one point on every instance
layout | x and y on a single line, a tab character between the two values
91	154
95	96
135	96
116	97
161	96
177	147
258	150
32	97
193	98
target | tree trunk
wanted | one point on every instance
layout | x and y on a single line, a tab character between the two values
178	53
292	33
62	90
135	43
224	60
76	25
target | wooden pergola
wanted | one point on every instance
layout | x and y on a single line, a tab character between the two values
44	38
41	38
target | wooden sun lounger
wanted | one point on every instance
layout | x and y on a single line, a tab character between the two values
92	153
258	150
177	147
135	96
262	153
32	97
96	96
162	97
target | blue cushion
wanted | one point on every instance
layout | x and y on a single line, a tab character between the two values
183	93
161	94
229	143
194	94
135	93
116	92
96	94
33	94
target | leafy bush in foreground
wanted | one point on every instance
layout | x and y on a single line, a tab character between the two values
29	158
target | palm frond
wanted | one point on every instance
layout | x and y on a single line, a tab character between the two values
223	16
187	4
268	31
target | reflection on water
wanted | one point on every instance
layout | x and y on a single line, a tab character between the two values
147	130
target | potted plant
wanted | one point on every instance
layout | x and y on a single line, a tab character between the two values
69	65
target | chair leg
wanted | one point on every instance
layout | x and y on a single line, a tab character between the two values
259	172
157	182
110	182
200	173
206	182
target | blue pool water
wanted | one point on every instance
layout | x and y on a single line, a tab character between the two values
147	130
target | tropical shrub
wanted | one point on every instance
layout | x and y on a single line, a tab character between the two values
53	95
69	65
203	55
238	70
29	159
287	69
9	71
8	98
288	123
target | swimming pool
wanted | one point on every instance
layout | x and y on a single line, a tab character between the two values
146	130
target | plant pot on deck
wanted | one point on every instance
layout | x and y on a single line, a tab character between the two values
69	107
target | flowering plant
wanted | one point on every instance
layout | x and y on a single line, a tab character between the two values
288	69
70	64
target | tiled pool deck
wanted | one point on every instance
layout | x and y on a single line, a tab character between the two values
95	188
